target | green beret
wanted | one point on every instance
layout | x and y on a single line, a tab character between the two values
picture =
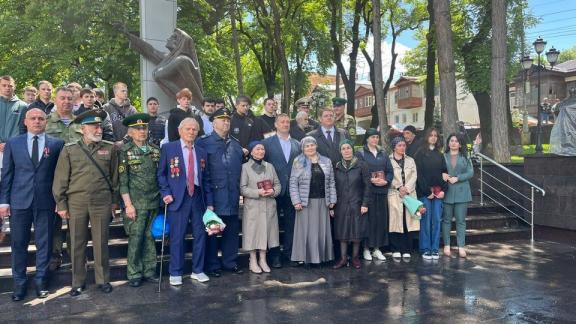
338	101
139	120
94	116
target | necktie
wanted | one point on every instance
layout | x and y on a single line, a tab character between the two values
190	171
329	136
35	151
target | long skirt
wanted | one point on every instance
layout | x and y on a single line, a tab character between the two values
378	221
312	237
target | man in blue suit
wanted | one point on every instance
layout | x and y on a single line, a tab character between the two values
281	150
185	189
225	158
26	196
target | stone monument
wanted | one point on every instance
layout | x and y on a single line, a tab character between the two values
563	135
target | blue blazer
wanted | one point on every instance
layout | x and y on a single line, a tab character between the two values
275	156
21	182
176	186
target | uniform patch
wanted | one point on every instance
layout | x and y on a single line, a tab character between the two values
103	152
121	169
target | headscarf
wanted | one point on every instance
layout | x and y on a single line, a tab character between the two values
307	140
350	163
395	141
257	166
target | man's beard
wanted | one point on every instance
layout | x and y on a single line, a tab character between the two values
94	138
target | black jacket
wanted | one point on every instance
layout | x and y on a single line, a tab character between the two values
380	162
430	164
352	187
245	128
330	150
176	116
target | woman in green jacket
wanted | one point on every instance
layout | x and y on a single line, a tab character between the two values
458	194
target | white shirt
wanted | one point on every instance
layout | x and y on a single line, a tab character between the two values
186	152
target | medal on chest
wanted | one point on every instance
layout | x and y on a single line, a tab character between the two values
174	168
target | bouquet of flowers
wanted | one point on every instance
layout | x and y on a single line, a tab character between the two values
213	223
415	207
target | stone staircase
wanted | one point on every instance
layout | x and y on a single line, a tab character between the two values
484	224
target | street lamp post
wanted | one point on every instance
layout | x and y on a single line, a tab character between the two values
539	46
526	62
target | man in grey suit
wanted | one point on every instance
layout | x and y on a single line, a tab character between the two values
281	150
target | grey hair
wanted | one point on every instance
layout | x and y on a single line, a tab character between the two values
188	120
301	114
308	140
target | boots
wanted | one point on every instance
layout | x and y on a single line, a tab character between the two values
254	268
262	262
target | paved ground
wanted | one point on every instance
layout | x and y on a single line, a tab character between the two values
499	282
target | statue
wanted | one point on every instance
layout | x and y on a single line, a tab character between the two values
563	135
176	69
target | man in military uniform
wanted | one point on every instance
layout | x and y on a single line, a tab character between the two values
343	120
303	104
86	191
141	196
59	125
225	157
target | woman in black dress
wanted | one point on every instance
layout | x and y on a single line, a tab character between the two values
353	193
381	174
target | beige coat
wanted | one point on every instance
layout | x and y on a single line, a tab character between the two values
395	206
259	218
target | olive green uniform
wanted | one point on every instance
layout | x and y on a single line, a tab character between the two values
348	123
137	170
68	133
81	189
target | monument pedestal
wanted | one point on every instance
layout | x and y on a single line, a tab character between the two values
555	174
157	23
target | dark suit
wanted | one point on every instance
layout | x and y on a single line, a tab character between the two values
28	191
330	150
184	208
284	207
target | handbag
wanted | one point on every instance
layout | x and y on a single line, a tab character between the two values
157	225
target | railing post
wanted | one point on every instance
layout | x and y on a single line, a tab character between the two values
532	215
481	182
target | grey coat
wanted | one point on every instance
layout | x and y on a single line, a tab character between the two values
300	180
459	192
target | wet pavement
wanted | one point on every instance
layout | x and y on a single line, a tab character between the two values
499	282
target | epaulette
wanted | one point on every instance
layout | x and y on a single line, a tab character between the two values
205	136
107	142
71	143
152	145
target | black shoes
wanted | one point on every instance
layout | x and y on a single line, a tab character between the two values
154	278
76	291
135	282
42	290
19	293
106	288
276	262
215	273
235	270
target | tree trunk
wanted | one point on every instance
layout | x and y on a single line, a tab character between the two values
378	77
239	80
483	103
499	116
282	56
430	69
446	66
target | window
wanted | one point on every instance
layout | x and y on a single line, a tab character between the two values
403	118
404	92
395	96
397	119
415	117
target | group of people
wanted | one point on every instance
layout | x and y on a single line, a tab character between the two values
302	178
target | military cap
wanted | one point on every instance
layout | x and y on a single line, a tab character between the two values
220	113
303	101
94	116
140	120
338	101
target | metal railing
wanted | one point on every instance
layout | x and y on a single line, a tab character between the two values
505	201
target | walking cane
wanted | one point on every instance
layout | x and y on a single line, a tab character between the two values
162	249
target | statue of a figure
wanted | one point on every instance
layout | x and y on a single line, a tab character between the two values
563	136
176	69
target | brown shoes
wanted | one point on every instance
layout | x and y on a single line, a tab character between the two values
342	263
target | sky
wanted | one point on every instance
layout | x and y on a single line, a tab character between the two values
557	24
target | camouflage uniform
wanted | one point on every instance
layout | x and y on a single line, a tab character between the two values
69	134
137	169
348	123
